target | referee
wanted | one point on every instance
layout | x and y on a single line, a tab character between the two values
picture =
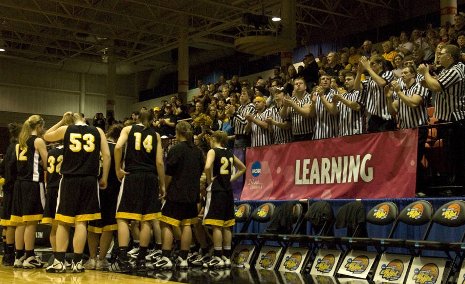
281	128
407	99
241	137
379	117
350	108
260	131
324	110
297	108
449	90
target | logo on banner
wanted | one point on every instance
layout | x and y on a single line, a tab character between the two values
416	211
241	256
256	169
357	265
325	264
293	261
382	212
451	212
267	260
428	274
393	270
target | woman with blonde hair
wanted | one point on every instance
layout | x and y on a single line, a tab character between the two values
29	191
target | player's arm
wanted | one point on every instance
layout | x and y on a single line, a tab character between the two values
240	169
57	131
123	138
106	158
209	165
160	166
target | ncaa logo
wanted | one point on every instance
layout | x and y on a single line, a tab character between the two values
256	169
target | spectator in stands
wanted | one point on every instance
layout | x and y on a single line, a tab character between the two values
333	67
324	110
344	61
405	46
449	101
216	122
297	108
198	109
280	127
461	43
367	47
237	116
168	122
234	84
99	120
277	74
444	35
220	83
389	53
260	131
350	108
135	116
354	55
459	23
261	87
421	43
432	38
379	117
398	65
309	71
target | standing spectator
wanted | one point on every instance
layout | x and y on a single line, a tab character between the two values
259	129
449	89
324	110
379	117
389	53
405	46
242	138
99	120
281	128
333	67
367	47
398	65
297	108
310	71
168	121
350	108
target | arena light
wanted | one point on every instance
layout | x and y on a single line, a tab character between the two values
276	19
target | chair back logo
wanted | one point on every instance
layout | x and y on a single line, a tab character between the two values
452	212
263	212
382	212
241	256
416	211
239	211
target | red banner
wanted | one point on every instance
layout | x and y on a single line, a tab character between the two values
378	165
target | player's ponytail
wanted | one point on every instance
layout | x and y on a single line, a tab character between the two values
29	125
184	129
221	137
146	117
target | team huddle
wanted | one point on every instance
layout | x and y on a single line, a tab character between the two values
99	183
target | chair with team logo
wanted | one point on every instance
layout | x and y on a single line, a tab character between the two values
412	223
446	235
242	216
245	242
380	220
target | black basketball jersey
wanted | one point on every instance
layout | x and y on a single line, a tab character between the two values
81	151
112	178
141	149
54	160
28	162
222	169
10	170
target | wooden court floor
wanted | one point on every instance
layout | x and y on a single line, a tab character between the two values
39	276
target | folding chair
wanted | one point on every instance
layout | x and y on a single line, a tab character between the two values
244	254
242	216
449	217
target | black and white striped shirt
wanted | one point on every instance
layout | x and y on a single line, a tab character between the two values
261	136
376	101
409	117
239	121
351	121
450	102
301	125
326	124
281	136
